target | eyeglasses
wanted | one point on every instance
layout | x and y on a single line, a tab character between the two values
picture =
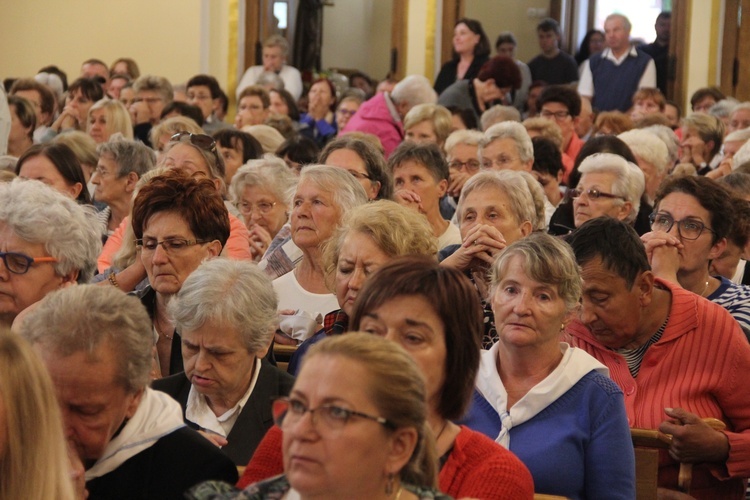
203	141
101	172
470	166
289	411
198	97
246	208
172	245
593	194
346	112
501	162
558	115
689	229
19	263
359	175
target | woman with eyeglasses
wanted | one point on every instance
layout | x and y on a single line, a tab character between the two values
261	190
434	314
462	153
354	427
689	226
364	160
178	222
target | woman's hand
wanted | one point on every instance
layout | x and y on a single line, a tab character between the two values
409	199
259	241
693	440
693	151
456	183
724	168
663	251
140	113
68	119
481	246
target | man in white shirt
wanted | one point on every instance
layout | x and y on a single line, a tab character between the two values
275	50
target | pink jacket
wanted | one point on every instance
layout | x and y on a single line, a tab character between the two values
374	117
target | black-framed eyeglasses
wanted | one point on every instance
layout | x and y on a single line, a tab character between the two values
203	141
171	245
557	115
19	263
470	165
289	411
593	194
689	229
359	175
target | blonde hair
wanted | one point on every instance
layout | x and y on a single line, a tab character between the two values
172	126
396	388
439	116
34	461
118	118
544	128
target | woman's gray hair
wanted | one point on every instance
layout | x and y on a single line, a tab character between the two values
130	156
269	173
498	114
82	318
413	90
648	147
667	136
468	137
231	294
537	195
513	185
157	84
347	192
509	130
36	213
629	180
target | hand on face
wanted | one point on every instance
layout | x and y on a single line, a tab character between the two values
409	199
663	251
482	244
456	182
259	241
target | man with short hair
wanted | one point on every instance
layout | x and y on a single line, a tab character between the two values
677	357
553	65
204	92
562	105
97	69
611	77
96	343
275	50
659	48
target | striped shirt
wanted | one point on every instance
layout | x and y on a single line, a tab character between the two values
735	299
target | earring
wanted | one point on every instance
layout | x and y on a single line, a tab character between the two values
389	484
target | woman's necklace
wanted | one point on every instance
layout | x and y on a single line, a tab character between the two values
703	293
157	326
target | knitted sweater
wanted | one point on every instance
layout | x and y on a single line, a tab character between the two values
477	467
699	364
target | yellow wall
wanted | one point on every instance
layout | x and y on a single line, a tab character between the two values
701	64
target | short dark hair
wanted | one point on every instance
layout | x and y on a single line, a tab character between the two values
601	144
90	88
547	156
665	14
64	160
206	81
549	24
455	301
704	92
233	138
183	109
195	199
57	71
711	195
25	112
615	242
482	48
503	70
428	155
257	91
562	94
468	116
505	37
299	149
45	94
374	161
291	103
740	232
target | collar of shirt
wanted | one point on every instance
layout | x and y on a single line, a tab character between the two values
198	411
607	54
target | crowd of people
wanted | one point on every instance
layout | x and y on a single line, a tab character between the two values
483	283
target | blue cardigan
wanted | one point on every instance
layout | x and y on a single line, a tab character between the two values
578	447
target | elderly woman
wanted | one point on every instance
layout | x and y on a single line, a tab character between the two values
178	222
252	106
495	210
433	314
225	312
428	123
47	242
689	227
161	134
471	49
610	186
531	385
34	459
369	427
361	158
702	135
346	108
57	166
121	164
652	156
107	117
323	195
462	153
319	123
261	191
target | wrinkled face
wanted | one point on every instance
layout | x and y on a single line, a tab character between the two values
36	100
491	206
359	257
260	206
416	177
109	186
98	129
41	168
217	362
154	101
168	270
93	401
19	291
502	154
273	59
618	37
314	215
278	104
412	322
318	460
232	159
548	40
422	133
345	111
464	40
739	119
528	313
609	307
691	137
586	208
355	165
507	49
187	159
200	95
250	112
652	175
464	158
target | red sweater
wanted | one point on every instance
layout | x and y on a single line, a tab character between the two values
477	467
699	364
